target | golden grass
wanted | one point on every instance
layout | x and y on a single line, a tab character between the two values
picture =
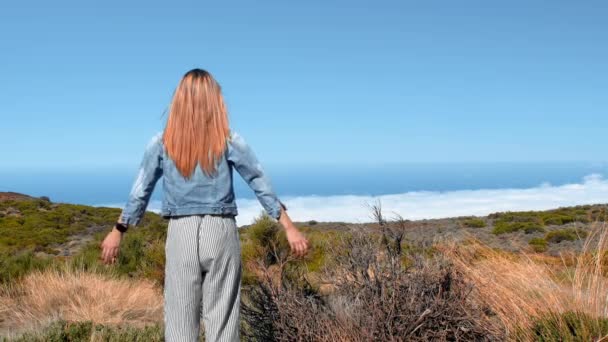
44	296
523	288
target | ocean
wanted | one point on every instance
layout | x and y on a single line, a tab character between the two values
343	192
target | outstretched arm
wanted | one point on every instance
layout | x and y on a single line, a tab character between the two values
248	166
150	171
241	156
297	240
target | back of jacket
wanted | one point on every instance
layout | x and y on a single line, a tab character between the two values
201	194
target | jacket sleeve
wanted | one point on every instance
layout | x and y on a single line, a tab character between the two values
241	156
150	170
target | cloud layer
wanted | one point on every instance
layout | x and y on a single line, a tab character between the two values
425	204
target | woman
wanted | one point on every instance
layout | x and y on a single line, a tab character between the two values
195	155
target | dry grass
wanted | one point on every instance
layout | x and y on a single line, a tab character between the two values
44	297
522	289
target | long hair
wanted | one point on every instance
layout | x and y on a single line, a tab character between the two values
197	128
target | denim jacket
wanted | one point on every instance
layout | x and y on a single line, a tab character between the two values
201	194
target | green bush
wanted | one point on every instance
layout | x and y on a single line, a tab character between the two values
256	242
502	227
61	330
38	224
474	222
264	241
260	237
557	220
15	266
132	251
568	326
509	222
598	214
263	230
568	234
88	260
561	216
321	243
142	252
539	245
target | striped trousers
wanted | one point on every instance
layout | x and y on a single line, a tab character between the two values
202	279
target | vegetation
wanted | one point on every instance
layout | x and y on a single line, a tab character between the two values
263	244
62	330
377	281
530	295
503	227
13	267
536	221
370	295
567	326
567	234
474	222
538	245
36	226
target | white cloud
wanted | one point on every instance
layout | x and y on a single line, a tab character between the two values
426	204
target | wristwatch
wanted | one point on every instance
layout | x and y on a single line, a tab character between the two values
121	227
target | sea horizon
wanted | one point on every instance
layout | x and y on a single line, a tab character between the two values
344	193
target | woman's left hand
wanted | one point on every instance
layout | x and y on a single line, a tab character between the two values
111	246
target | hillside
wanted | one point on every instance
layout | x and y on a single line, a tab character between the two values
30	224
550	232
14	196
426	279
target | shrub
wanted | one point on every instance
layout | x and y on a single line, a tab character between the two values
142	252
474	222
62	330
87	259
509	222
539	245
264	230
38	223
319	242
153	267
13	267
568	234
568	326
374	296
260	237
558	217
558	220
599	214
263	244
502	227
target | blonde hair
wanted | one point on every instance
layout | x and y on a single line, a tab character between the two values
197	128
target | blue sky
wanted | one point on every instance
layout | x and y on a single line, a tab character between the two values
84	85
